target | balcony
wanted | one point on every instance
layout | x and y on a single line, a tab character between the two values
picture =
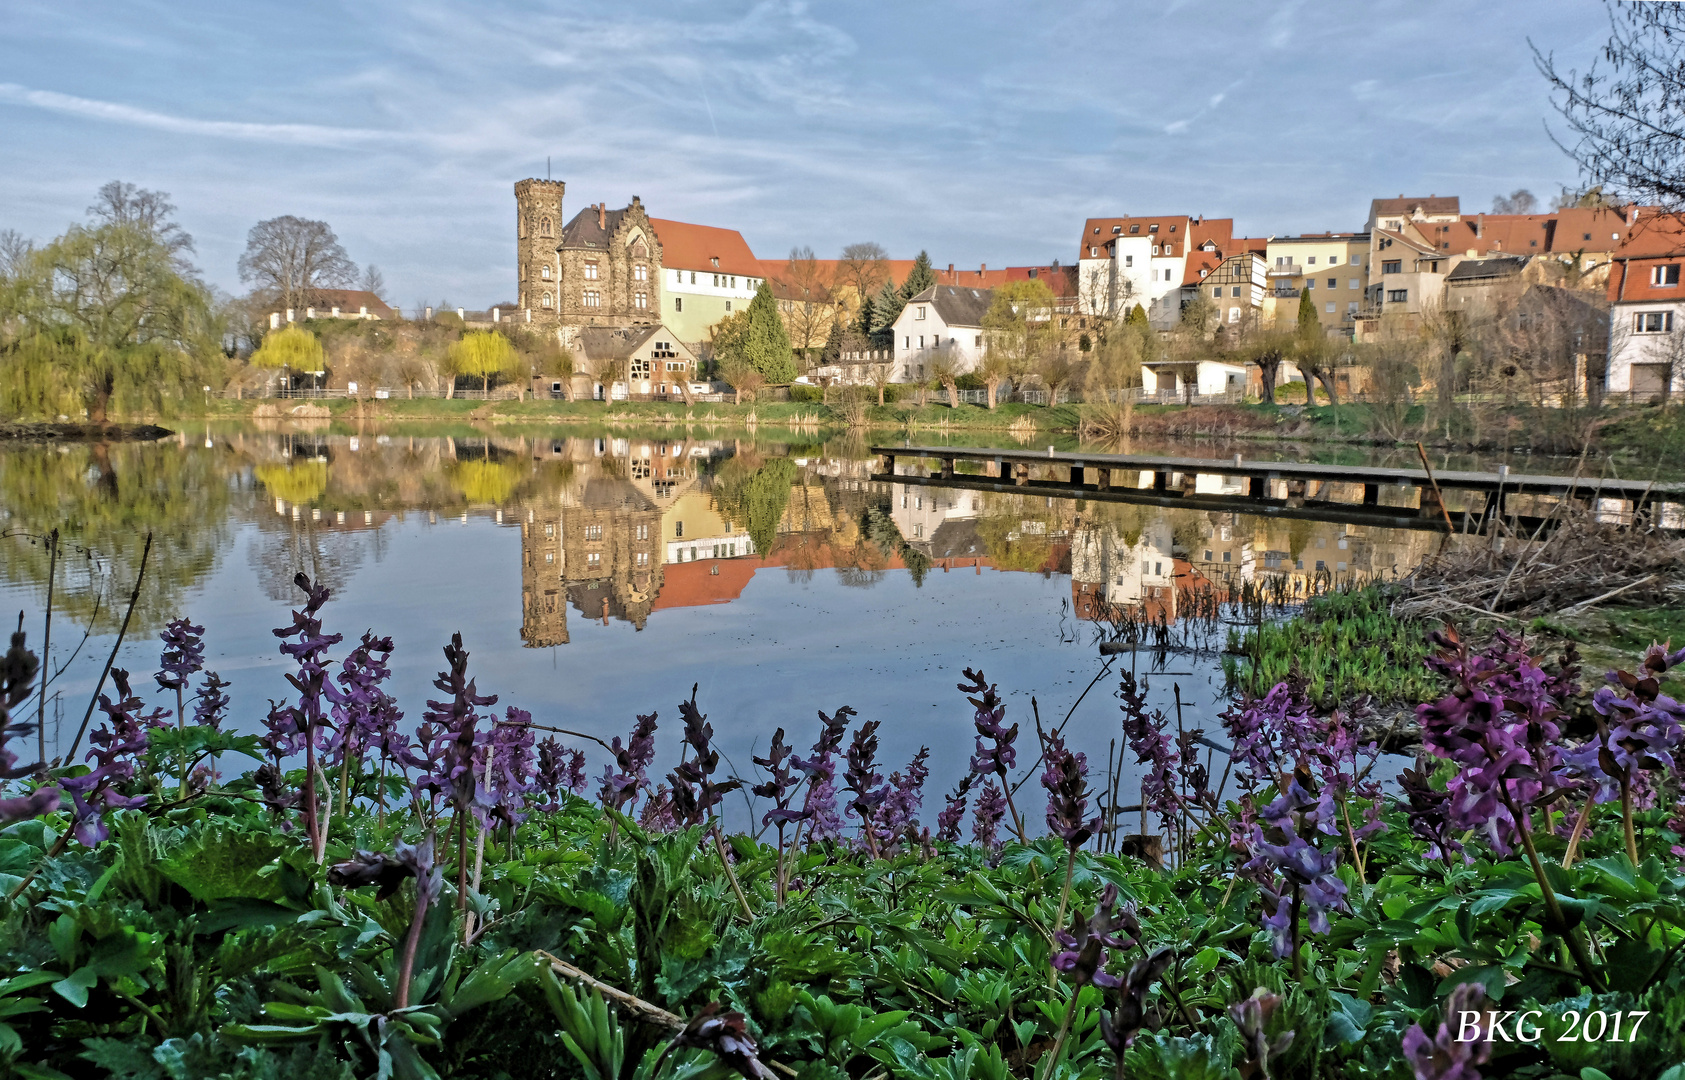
1286	270
1284	292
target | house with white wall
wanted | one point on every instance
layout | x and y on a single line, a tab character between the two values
707	274
1647	310
1126	261
942	321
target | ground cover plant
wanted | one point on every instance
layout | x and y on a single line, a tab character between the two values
468	892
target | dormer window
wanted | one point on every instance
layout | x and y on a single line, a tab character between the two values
1172	228
1665	276
1115	229
715	260
1152	228
1097	230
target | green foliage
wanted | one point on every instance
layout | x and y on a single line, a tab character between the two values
885	309
921	277
755	496
766	344
483	353
807	395
1307	320
292	347
1344	644
1137	317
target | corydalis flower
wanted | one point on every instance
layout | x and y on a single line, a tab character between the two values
623	780
17	678
861	778
364	715
1456	1048
116	748
1119	1028
1066	781
1144	731
1082	948
1284	844
987	815
451	737
1639	726
1000	755
559	769
781	784
510	768
819	804
1252	1016
906	796
724	1033
1427	811
695	794
953	811
183	656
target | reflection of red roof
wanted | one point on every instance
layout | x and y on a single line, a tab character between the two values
696	584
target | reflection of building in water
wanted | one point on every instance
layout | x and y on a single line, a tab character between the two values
1225	554
922	512
544	608
1110	572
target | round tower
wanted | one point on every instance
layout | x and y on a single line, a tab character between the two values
538	229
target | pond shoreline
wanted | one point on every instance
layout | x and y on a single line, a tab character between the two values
81	432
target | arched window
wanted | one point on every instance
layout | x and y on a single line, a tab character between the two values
544	226
547	301
544	271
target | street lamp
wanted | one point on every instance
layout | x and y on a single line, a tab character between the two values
207	398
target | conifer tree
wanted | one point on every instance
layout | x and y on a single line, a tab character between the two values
886	308
919	278
1308	321
1137	316
766	345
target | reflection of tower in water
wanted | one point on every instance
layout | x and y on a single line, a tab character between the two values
544	609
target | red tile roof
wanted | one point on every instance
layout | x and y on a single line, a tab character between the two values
695	247
1655	239
348	301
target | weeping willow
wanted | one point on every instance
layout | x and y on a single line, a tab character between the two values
301	483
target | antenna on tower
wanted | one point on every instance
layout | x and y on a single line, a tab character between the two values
546	166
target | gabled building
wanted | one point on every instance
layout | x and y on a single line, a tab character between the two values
1333	267
1647	309
708	274
1126	261
640	363
942	321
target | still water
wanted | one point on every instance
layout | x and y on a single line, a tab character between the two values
595	578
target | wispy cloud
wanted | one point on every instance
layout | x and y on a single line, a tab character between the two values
134	116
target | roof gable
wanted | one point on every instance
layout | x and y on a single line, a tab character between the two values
685	246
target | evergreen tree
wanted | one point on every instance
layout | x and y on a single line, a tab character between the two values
919	278
1137	316
863	318
1308	322
832	352
886	308
766	345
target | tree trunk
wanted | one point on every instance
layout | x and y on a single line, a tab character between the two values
1326	378
1267	376
991	394
881	388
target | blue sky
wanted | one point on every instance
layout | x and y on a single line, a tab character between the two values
981	131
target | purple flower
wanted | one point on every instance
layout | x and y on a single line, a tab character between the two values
559	769
450	738
116	749
1252	1016
781	786
657	812
1460	1043
210	705
1428	812
17	677
819	804
1145	734
1118	1029
1289	866
1082	948
1066	781
623	780
953	811
510	768
1000	755
987	815
861	778
1499	725
184	654
695	794
365	717
906	796
299	723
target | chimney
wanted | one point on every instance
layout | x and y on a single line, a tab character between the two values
1479	220
981	267
602	215
950	269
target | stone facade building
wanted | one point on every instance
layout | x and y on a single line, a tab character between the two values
602	268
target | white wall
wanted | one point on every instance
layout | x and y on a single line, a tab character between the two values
1627	347
920	341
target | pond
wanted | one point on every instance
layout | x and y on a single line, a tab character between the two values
596	577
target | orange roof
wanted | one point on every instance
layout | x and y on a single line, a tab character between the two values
1220	230
1200	263
350	301
776	270
704	247
703	582
1655	238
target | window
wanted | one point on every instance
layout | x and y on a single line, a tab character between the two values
918	313
640	368
594	561
1234	290
1129	260
593	532
642	558
1152	228
1207	554
544	227
1228	556
678	530
1311	261
734	281
1310	283
921	341
640	532
1351	307
1665	275
1093	252
590	270
546	301
1135	229
1330	307
1354	260
693	277
907	341
1392	266
1398	296
1652	322
1217	293
549	556
1356	284
728	305
1115	229
1234	314
678	303
592	298
544	271
640	272
978	344
1167	275
640	300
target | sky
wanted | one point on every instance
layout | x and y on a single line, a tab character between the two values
980	131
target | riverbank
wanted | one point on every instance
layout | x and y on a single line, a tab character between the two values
64	432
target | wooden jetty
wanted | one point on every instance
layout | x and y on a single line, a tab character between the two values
1379	495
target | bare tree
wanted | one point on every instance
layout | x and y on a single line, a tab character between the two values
119	203
1626	112
806	300
1519	201
863	269
1268	348
374	281
290	258
15	250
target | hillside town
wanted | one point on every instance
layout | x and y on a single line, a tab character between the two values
645	307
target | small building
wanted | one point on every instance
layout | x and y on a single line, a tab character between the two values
943	321
334	304
708	274
637	363
1647	310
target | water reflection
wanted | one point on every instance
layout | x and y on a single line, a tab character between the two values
596	577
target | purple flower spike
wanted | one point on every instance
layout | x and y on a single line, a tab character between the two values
819	805
511	768
116	749
1118	1029
17	678
1145	733
450	739
184	654
900	810
1082	948
987	815
1252	1016
781	787
861	778
1458	1046
559	769
628	776
695	794
1066	781
953	811
1000	755
1286	861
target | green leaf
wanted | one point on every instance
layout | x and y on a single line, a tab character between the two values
74	988
224	864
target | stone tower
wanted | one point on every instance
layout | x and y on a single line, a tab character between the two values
538	225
